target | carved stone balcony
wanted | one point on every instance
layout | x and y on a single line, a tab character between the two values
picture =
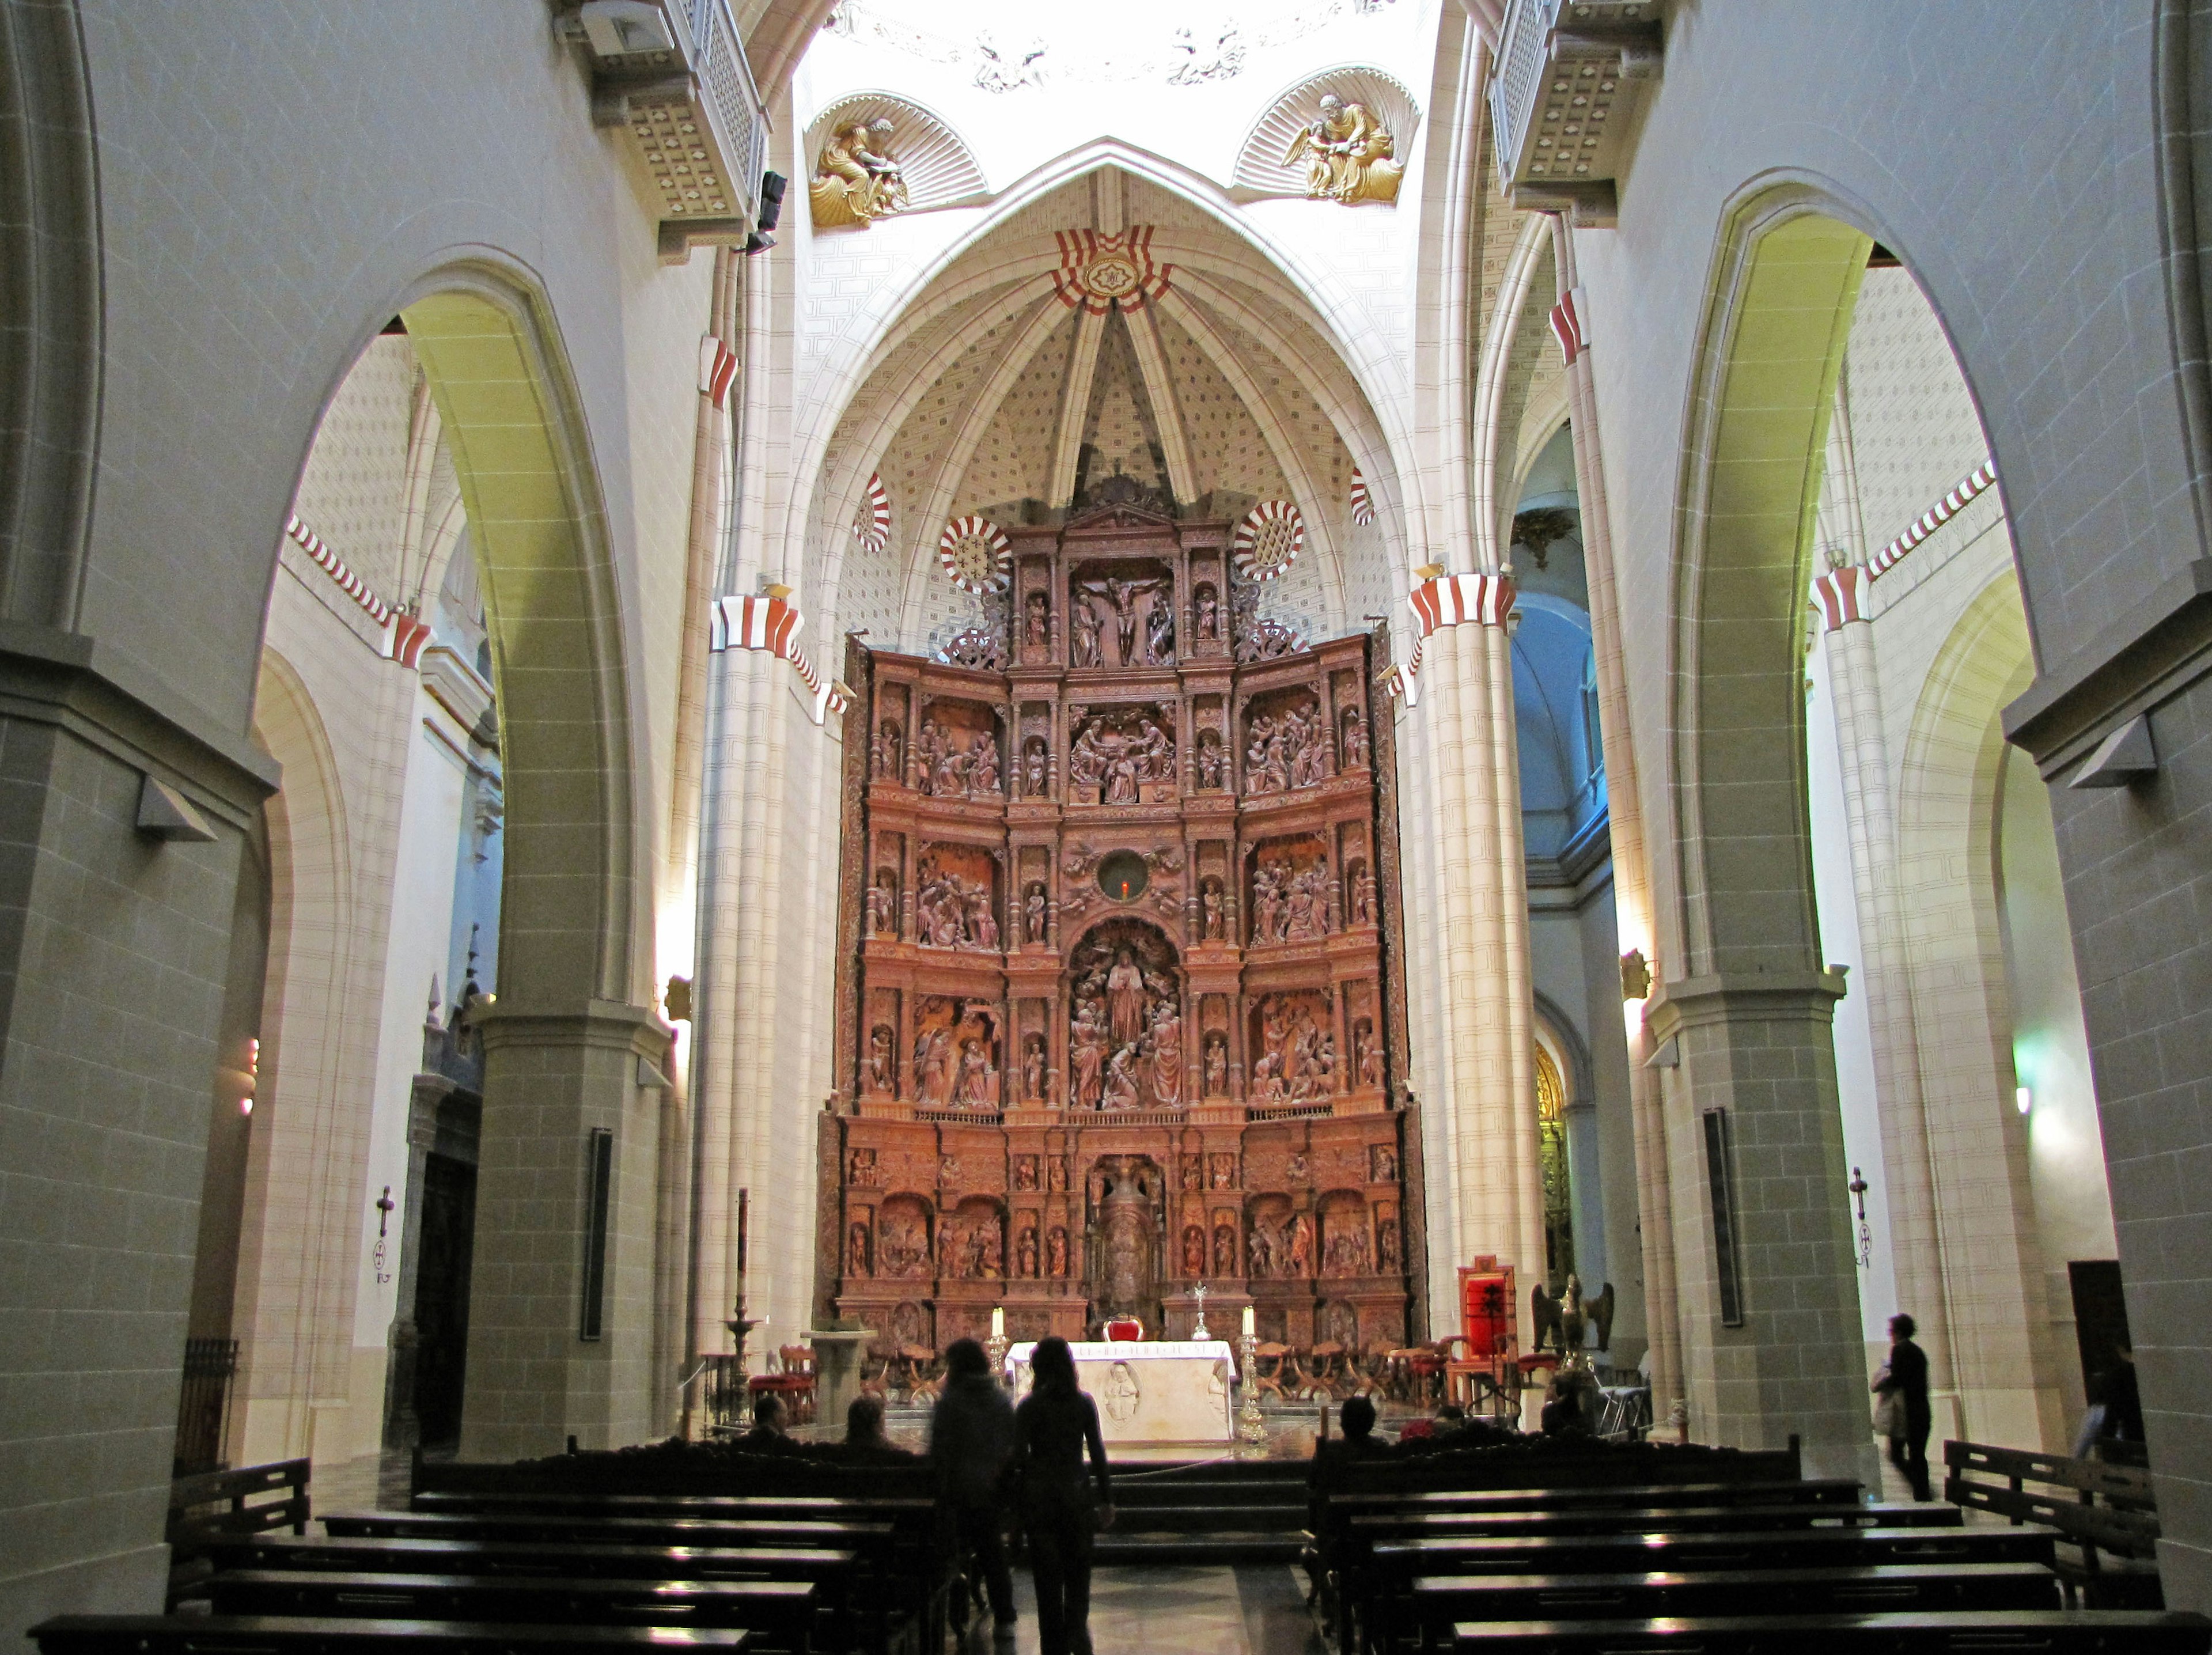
1566	92
672	75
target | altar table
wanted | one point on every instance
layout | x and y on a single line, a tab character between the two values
1151	1390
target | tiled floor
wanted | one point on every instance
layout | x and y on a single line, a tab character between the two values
1255	1609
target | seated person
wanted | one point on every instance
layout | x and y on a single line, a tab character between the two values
864	1433
1358	1444
771	1426
1566	1406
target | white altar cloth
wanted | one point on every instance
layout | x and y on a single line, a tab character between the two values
1152	1390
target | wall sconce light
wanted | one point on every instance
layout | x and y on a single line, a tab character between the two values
2023	1099
1635	976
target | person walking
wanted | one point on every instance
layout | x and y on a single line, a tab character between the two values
971	1440
1060	1507
1902	1384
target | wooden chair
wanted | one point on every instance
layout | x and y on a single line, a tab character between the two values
1124	1330
1268	1361
793	1380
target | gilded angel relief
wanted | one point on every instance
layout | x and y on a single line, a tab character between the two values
1348	154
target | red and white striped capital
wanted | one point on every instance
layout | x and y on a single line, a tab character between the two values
769	624
1840	596
1452	599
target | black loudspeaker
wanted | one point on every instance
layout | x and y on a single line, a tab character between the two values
771	207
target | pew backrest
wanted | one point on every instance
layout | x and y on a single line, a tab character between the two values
1982	1478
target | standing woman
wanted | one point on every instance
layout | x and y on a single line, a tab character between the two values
1904	1378
1060	1509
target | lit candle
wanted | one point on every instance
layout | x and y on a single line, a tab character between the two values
998	1321
1251	1323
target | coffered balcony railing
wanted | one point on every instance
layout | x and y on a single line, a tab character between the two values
672	76
1567	92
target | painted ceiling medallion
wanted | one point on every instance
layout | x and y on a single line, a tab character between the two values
1099	273
977	555
1269	540
872	524
1363	503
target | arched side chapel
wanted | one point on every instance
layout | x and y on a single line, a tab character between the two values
639	823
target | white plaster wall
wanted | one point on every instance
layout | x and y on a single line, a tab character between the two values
1833	889
2050	1047
417	946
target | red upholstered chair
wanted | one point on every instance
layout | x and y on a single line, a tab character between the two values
1123	1330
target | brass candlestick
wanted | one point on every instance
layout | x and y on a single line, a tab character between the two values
1250	1428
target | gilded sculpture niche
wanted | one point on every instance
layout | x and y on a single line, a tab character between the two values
1341	136
875	155
1348	153
1117	1001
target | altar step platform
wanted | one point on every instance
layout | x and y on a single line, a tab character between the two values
1206	1512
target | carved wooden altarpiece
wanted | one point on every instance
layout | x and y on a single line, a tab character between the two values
1120	998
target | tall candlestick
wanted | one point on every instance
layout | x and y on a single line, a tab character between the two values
1251	1322
998	1321
744	1211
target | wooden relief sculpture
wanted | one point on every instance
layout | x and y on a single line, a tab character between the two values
1116	1020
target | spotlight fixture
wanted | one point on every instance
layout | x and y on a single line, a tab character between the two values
2023	1099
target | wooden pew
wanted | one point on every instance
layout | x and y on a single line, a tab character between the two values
1437	1602
207	1634
855	1615
1824	1491
782	1611
216	1503
1378	1595
1981	1478
2047	1632
874	1545
1372	1526
672	1480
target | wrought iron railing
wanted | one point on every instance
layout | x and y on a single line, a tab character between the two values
204	1406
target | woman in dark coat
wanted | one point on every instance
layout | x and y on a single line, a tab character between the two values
1060	1507
970	1439
1905	1374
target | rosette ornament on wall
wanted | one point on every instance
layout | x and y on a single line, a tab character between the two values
977	554
1268	541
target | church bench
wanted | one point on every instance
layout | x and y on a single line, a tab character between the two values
672	1481
863	1609
213	1503
1378	1587
819	1508
896	1566
1553	1462
784	1612
1437	1603
207	1634
1982	1478
1958	1632
1371	1526
1342	1549
1825	1491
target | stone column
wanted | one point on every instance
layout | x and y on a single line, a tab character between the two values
1635	920
551	1078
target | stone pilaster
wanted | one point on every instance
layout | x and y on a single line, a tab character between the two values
1757	1049
551	1079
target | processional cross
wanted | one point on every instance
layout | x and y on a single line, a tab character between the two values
1198	1328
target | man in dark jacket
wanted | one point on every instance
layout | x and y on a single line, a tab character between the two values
1906	1375
971	1435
